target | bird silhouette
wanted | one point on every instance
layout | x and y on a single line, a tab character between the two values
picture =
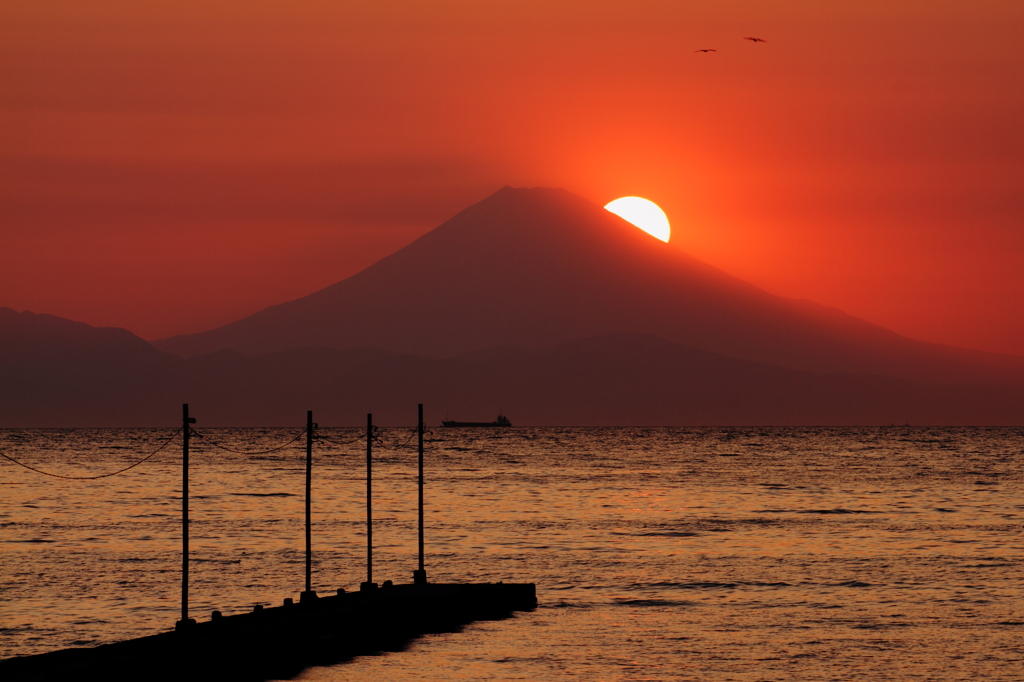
705	50
756	40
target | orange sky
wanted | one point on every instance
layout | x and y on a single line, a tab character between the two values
172	166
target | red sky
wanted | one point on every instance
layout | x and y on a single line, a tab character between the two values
169	167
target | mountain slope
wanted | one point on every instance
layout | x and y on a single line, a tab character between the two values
55	372
536	267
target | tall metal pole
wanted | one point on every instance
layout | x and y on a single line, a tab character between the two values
186	422
369	503
309	485
420	576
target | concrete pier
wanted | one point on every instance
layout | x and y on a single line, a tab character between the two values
279	642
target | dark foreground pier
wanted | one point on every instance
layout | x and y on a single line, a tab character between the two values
279	642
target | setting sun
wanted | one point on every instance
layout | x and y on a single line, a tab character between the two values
643	213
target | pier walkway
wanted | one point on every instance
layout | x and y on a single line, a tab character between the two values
279	642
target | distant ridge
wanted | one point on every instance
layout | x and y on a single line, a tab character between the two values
538	267
58	373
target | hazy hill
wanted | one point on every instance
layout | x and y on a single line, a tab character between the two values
54	372
538	267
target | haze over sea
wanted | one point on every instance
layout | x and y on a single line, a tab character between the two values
658	553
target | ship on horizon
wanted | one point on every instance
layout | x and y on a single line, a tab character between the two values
502	420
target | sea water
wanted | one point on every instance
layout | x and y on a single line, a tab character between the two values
658	553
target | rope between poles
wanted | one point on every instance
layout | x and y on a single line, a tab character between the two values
93	478
377	439
246	452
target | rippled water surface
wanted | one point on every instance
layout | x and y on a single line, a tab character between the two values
659	554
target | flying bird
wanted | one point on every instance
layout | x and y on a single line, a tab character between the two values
705	50
756	40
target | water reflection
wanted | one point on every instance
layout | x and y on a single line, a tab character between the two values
659	553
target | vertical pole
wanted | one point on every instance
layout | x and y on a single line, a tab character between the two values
369	499
186	421
369	585
419	577
309	484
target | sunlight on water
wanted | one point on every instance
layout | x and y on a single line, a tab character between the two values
659	554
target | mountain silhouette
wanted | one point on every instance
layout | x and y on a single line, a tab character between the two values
533	268
55	372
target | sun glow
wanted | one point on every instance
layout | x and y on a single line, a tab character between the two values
643	213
